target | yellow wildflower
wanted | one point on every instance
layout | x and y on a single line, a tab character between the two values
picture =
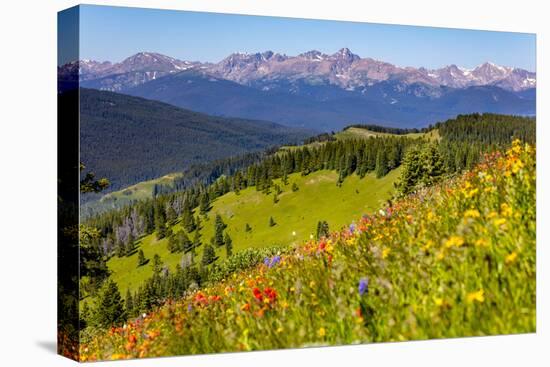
312	284
505	210
511	257
322	332
427	245
385	252
471	213
499	221
518	164
481	242
478	296
472	193
438	301
279	330
454	241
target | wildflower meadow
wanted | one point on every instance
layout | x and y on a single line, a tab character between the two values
451	260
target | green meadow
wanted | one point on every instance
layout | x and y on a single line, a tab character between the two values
296	215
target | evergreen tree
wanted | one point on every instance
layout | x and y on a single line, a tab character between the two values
173	245
204	203
141	258
109	308
294	187
130	246
271	222
185	243
157	265
121	249
160	221
129	303
247	228
197	239
171	214
228	244
188	220
208	255
322	229
381	163
219	226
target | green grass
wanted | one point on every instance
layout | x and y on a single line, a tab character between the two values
296	215
139	191
355	133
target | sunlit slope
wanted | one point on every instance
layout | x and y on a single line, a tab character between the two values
296	215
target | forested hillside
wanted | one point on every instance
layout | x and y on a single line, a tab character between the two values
129	139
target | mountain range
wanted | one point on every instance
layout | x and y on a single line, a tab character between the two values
314	90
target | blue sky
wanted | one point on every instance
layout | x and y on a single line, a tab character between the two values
114	33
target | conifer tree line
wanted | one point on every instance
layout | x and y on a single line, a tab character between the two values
463	142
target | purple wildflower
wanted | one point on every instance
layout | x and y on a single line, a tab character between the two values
352	228
363	286
189	307
274	261
267	260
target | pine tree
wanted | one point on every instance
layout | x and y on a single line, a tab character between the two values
197	240
188	220
141	258
209	255
173	244
157	265
185	243
121	249
109	308
130	246
129	303
381	163
160	222
228	244
294	187
247	228
171	215
204	203
271	222
219	226
322	229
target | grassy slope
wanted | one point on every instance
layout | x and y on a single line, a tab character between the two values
454	260
140	191
318	198
355	132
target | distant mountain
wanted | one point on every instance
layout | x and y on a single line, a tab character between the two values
343	68
313	89
129	139
326	107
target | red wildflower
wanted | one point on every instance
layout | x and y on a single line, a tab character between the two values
257	294
271	294
200	298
